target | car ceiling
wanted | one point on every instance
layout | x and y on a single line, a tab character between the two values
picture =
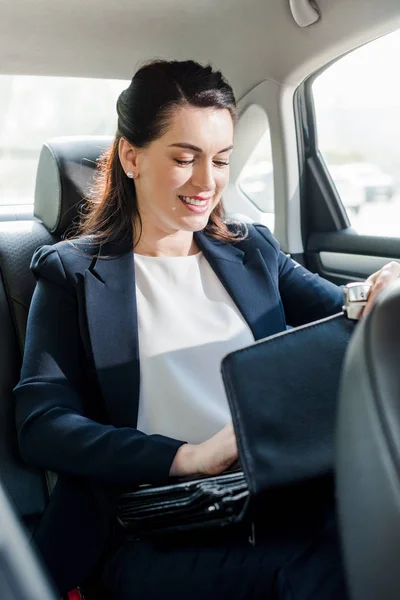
249	40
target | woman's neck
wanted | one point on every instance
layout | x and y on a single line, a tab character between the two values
181	243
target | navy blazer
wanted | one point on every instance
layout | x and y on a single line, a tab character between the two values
77	400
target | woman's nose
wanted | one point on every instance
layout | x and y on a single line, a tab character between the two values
203	177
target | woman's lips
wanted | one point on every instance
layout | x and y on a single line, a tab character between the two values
196	208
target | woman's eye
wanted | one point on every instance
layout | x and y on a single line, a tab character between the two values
184	162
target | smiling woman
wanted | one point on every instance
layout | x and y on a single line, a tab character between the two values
121	383
178	185
168	167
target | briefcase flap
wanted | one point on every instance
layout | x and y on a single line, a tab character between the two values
282	392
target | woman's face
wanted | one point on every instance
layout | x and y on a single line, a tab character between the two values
181	176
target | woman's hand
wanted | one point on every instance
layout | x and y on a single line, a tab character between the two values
379	281
208	458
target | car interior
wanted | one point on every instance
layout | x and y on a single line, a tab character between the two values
316	84
368	452
21	575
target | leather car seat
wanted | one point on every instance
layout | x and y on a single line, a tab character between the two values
64	177
22	576
368	453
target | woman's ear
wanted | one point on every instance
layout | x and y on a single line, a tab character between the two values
128	156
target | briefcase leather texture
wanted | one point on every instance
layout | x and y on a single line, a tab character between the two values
185	505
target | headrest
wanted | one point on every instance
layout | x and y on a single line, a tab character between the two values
64	177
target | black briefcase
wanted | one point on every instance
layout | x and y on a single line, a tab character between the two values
187	504
282	393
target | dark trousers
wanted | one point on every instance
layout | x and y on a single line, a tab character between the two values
296	557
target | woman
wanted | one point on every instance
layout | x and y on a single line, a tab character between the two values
159	286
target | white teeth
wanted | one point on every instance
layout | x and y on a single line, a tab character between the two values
193	201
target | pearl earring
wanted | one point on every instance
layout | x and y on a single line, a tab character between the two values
130	175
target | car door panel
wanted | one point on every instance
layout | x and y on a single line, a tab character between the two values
344	256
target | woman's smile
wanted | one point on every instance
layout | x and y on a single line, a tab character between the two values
197	204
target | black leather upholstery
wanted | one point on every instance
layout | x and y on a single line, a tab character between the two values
18	240
63	177
368	453
15	553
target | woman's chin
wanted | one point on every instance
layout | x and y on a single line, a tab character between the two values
195	222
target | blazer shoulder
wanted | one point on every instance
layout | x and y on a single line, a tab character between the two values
62	262
267	235
259	235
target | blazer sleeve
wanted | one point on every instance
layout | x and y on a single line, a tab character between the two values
305	296
53	431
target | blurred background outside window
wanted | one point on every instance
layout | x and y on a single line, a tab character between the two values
357	105
257	178
36	109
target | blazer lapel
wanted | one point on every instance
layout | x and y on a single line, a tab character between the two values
110	298
248	281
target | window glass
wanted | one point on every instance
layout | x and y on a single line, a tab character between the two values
357	105
257	178
35	109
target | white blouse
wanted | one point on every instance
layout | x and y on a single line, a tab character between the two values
187	324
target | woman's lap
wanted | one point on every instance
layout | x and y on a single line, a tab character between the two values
304	565
152	570
315	572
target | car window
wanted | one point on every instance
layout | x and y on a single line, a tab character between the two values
357	106
256	180
35	109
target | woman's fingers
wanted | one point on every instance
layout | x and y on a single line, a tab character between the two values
219	452
211	457
379	281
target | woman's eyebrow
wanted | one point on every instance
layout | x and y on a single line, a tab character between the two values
195	148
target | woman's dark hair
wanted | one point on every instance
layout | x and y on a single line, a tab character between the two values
144	112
